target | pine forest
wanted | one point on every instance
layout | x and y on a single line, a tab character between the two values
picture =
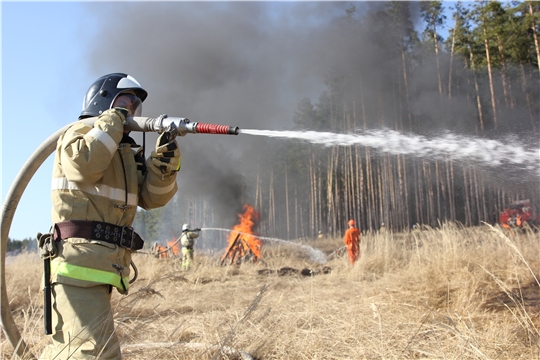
479	80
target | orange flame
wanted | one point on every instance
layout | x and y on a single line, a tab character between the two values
241	240
160	251
174	248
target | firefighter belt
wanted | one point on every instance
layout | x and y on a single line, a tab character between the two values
123	236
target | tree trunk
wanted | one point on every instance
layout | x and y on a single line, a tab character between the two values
467	197
429	189
287	204
437	59
451	63
406	83
451	184
478	102
535	35
331	220
507	85
296	217
313	191
490	75
318	223
272	205
527	98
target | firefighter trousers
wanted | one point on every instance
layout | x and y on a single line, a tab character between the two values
187	258
354	253
83	326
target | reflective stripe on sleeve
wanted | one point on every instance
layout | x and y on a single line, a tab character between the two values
104	138
88	274
97	190
160	190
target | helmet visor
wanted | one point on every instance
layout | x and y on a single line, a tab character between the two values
130	102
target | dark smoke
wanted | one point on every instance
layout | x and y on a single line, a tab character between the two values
249	64
246	64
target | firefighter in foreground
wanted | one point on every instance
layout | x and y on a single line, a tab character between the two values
352	239
100	176
187	239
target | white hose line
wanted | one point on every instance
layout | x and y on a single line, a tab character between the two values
8	211
196	346
169	247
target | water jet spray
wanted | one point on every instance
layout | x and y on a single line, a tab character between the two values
314	254
483	151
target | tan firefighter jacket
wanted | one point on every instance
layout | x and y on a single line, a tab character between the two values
188	239
90	174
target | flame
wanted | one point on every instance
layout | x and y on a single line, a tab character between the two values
160	251
174	246
241	239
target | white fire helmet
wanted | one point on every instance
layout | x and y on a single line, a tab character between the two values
185	227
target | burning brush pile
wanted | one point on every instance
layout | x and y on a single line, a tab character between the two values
172	249
243	244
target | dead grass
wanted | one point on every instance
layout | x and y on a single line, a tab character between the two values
468	293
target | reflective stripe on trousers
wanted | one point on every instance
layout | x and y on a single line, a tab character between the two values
88	274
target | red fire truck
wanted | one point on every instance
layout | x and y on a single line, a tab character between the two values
518	213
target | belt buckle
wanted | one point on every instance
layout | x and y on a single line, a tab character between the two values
127	232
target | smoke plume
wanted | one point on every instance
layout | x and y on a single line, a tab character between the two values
246	64
249	64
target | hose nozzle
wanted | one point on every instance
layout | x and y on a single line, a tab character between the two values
203	128
185	126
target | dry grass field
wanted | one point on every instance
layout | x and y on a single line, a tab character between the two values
450	293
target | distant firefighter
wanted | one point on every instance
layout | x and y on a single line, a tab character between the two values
187	239
352	239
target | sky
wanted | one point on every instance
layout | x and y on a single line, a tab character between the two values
44	76
185	54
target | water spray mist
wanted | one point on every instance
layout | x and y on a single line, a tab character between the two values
487	151
314	254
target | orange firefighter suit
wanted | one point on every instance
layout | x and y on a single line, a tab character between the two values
352	240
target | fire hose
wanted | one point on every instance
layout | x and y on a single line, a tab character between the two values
138	124
336	252
170	247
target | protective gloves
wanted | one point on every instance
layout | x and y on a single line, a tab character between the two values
166	157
